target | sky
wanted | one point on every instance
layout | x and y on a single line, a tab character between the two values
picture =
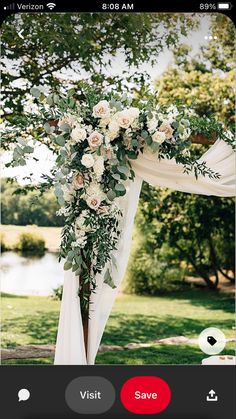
46	160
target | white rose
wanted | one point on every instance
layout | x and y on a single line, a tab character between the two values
101	110
95	139
78	134
158	137
87	160
93	201
95	189
167	129
113	130
124	120
133	112
98	166
152	124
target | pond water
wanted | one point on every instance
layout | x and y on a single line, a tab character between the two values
30	274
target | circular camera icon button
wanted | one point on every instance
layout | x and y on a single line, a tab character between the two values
212	341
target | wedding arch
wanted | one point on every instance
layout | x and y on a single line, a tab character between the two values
105	148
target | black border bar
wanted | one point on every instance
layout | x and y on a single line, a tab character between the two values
115	6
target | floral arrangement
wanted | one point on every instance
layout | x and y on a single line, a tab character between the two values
95	140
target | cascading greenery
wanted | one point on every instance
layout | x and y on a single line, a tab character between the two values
94	139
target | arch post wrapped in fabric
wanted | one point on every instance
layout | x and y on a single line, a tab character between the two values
70	347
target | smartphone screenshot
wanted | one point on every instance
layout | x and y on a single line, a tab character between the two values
117	210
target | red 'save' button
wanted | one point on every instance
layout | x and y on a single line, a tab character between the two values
145	395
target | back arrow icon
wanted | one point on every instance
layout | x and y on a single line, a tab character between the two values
20	34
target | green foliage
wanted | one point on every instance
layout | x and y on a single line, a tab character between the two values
30	242
22	208
152	270
57	293
86	42
196	232
204	81
199	230
34	321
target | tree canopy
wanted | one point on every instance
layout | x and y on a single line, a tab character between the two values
82	43
204	81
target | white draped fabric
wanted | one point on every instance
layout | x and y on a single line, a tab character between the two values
165	173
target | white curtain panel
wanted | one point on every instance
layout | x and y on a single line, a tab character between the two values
70	348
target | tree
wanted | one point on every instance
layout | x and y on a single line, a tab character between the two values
205	81
28	208
85	42
200	229
195	229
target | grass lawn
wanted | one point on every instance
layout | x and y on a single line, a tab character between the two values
51	235
33	320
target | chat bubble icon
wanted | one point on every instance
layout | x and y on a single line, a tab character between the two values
23	395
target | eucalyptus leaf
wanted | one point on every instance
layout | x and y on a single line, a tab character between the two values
75	267
134	143
65	170
49	100
120	187
111	195
35	92
22	141
132	155
22	162
47	128
149	140
123	169
65	128
28	149
61	201
67	265
70	255
108	280
60	140
144	134
116	176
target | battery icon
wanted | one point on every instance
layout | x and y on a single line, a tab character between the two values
224	6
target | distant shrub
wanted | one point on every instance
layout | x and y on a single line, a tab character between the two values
30	242
152	270
3	245
57	293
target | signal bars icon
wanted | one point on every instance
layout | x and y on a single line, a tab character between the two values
10	7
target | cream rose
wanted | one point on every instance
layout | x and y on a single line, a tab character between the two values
87	160
124	120
78	181
158	137
166	128
94	189
113	130
126	117
93	201
95	139
133	112
78	134
101	110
